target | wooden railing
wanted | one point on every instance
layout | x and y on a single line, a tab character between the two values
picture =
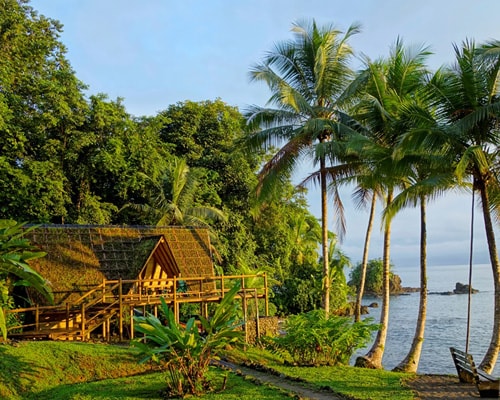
111	297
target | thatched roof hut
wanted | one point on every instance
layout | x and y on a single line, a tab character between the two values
80	257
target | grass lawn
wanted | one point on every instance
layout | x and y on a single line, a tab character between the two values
85	371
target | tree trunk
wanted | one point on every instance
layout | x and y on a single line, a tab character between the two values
373	359
364	262
410	363
324	238
491	355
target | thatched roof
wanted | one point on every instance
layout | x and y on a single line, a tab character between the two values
79	257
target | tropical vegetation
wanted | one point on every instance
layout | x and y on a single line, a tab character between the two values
186	352
314	339
397	132
15	254
307	77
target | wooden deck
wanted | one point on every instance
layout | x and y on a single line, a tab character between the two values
114	302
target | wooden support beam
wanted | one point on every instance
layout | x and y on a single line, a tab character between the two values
120	316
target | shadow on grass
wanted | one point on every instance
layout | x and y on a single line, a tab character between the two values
151	386
16	375
147	386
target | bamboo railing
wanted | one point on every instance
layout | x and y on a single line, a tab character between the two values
110	299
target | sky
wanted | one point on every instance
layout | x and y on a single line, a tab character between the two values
154	53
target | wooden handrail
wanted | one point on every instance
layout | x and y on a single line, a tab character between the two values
107	295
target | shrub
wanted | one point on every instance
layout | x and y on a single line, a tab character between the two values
315	339
185	351
374	276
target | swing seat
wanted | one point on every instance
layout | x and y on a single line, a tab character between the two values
487	385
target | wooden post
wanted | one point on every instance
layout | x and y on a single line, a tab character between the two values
104	290
120	316
131	322
222	286
266	294
108	330
37	318
257	322
245	314
176	309
67	316
83	322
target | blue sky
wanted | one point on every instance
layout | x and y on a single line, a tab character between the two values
154	53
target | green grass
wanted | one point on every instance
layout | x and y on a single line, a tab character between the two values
150	387
360	383
84	371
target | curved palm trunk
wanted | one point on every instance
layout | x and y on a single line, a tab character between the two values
491	355
373	359
324	238
364	262
410	363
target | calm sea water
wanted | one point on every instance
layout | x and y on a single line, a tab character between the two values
446	318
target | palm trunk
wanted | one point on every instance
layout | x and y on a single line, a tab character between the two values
491	355
324	238
364	262
373	359
410	363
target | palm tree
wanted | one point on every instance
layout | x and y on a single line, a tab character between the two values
468	102
306	77
174	200
338	263
432	177
361	194
388	86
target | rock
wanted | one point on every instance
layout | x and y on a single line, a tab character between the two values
460	288
364	362
395	286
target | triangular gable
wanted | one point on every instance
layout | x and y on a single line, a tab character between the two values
161	255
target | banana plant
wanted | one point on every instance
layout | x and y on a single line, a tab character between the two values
15	254
185	351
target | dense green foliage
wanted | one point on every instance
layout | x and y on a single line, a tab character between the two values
395	128
314	339
186	351
374	276
15	254
69	158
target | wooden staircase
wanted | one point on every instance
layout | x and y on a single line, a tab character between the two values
75	321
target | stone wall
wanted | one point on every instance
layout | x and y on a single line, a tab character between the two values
268	326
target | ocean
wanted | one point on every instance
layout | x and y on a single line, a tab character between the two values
446	317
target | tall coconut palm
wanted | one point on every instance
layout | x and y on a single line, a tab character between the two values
432	177
468	99
389	84
362	193
306	76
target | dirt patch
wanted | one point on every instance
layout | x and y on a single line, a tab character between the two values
439	387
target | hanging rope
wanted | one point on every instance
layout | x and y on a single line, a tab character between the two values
471	250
